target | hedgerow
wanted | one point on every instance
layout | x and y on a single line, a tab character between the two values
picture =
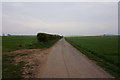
44	37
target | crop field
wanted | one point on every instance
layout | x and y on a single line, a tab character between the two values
102	49
11	43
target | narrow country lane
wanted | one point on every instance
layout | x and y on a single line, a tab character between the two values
64	61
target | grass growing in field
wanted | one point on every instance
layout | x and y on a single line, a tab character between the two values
103	50
11	43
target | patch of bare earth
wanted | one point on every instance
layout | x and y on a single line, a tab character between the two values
35	61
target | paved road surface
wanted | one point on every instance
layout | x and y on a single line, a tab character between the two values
65	61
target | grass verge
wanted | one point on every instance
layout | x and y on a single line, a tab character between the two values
9	68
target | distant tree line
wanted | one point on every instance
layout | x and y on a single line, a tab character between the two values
16	35
6	34
44	37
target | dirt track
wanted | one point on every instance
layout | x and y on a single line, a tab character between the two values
64	61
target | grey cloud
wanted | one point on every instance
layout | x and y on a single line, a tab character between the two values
62	18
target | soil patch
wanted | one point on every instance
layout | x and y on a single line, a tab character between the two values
35	61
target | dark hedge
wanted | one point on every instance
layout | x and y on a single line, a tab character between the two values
44	37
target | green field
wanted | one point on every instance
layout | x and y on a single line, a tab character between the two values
102	49
11	43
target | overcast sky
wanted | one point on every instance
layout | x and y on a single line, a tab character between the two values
67	18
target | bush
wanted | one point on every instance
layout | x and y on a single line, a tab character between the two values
43	37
